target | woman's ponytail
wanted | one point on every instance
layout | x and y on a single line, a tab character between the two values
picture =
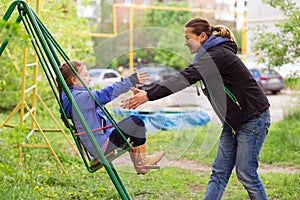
223	31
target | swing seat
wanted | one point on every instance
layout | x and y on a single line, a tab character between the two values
94	163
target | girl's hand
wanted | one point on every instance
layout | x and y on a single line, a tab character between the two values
142	76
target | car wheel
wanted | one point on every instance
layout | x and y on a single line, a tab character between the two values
275	92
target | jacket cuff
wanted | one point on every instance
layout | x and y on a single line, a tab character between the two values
149	97
134	79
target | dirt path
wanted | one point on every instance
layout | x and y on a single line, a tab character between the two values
263	168
197	166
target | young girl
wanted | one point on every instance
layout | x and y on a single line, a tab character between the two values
109	139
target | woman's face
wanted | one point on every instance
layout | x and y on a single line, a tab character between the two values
192	41
84	75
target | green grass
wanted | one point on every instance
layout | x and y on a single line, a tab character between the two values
282	145
41	178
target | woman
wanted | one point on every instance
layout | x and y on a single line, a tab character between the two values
109	139
236	98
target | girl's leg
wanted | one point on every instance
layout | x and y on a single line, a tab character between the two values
133	128
223	165
250	139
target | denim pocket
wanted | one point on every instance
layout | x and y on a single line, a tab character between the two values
252	125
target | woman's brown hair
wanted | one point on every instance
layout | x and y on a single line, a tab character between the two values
200	25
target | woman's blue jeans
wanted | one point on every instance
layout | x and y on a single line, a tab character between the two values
240	150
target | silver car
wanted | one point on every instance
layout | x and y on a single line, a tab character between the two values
157	74
103	77
268	79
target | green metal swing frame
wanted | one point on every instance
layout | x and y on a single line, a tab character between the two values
50	52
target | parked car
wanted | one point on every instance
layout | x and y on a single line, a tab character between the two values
268	79
157	74
103	77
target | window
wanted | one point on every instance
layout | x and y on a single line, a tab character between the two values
110	75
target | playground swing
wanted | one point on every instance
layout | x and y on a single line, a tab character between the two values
49	53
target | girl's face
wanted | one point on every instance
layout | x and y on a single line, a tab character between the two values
192	40
84	75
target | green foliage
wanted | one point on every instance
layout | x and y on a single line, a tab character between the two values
292	82
159	37
2	84
238	38
12	32
170	49
60	19
171	53
169	18
10	61
69	30
282	47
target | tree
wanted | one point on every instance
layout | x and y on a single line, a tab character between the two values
60	19
171	51
282	47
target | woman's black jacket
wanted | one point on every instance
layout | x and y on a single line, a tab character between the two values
219	67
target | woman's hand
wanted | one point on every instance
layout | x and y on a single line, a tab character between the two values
139	97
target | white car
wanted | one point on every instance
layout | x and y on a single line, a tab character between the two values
103	77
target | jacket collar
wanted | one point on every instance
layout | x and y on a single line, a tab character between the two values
212	41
